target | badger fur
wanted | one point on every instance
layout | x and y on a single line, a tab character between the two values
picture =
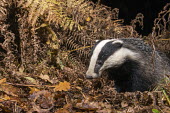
132	64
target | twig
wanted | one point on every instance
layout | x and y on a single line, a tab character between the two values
30	85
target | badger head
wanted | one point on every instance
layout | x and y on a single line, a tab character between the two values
107	54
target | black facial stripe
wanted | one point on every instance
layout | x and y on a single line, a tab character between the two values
107	50
91	53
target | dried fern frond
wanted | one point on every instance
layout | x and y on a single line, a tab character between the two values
161	30
53	11
8	51
162	23
3	11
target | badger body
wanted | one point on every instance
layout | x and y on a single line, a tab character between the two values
132	64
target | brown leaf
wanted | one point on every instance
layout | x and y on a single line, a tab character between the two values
2	80
42	101
46	78
4	98
33	90
62	111
88	19
62	86
9	89
66	109
86	104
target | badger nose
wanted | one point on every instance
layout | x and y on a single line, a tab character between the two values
89	77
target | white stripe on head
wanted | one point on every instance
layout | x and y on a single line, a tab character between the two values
94	57
119	58
117	41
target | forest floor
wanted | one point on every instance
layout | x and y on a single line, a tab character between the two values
44	52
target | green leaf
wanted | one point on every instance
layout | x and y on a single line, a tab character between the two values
155	111
166	96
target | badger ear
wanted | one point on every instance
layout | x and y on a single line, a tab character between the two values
97	40
117	43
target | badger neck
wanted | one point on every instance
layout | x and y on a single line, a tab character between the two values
124	75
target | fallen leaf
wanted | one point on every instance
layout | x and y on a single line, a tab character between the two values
32	80
45	77
9	89
62	86
2	80
48	42
62	111
33	90
4	98
87	106
155	111
66	109
42	101
88	19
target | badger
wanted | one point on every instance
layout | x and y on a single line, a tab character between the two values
130	62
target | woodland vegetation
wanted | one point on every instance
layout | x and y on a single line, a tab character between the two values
44	53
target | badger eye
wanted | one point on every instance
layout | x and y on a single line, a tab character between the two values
99	62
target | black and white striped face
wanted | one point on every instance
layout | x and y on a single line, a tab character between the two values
106	54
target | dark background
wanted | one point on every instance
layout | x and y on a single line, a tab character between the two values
128	9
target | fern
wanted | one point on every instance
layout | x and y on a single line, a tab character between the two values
58	12
160	33
81	22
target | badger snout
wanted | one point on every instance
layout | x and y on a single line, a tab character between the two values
91	75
